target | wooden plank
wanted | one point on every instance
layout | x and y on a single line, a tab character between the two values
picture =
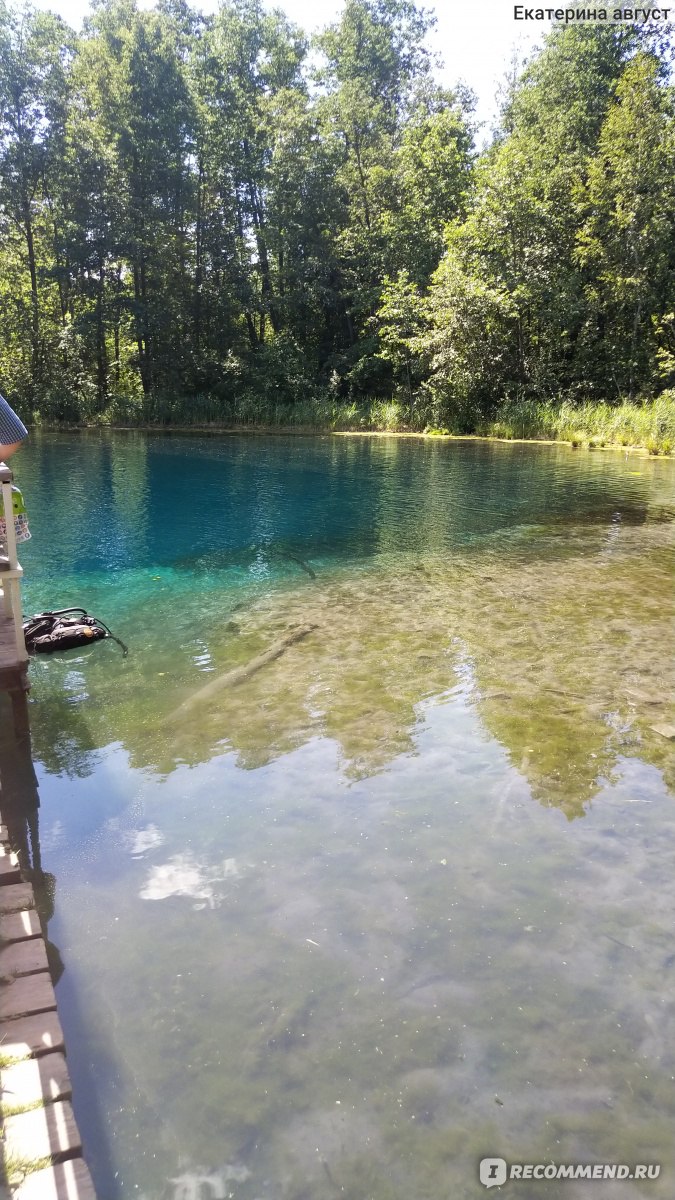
16	896
11	657
15	679
26	995
43	1132
9	866
32	1035
35	1079
23	958
67	1181
15	927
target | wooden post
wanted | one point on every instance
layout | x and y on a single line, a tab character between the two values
11	572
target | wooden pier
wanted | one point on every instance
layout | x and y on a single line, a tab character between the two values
40	1146
40	1149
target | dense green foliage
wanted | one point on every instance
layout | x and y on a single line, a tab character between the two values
210	218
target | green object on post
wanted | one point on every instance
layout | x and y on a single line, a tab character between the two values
18	505
20	516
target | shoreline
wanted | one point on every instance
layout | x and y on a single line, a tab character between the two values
587	443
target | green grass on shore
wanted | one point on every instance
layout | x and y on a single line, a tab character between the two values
648	424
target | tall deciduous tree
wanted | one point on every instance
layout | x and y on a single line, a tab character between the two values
567	246
34	53
626	243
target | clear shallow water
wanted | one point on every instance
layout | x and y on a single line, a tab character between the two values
402	897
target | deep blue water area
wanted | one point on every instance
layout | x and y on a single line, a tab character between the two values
115	502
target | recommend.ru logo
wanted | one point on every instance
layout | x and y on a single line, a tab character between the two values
496	1171
493	1172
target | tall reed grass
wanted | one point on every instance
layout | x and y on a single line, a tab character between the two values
649	424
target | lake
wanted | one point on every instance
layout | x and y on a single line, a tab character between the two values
401	897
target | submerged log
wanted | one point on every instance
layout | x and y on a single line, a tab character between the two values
241	674
301	563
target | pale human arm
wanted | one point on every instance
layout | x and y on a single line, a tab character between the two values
12	431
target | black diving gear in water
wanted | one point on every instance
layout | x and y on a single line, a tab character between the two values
65	629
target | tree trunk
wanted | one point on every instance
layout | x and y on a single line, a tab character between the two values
139	321
252	333
101	352
257	213
197	304
263	259
116	329
34	306
362	178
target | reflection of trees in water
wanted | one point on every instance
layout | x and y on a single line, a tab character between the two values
567	666
63	741
20	805
564	640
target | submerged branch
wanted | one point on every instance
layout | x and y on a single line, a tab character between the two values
241	674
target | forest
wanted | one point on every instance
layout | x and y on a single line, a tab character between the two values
216	219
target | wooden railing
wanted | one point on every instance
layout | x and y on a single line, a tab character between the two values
11	572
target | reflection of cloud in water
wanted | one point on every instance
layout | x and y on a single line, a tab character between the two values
199	1184
182	876
54	836
142	840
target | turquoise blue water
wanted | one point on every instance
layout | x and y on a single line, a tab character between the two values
401	896
130	502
